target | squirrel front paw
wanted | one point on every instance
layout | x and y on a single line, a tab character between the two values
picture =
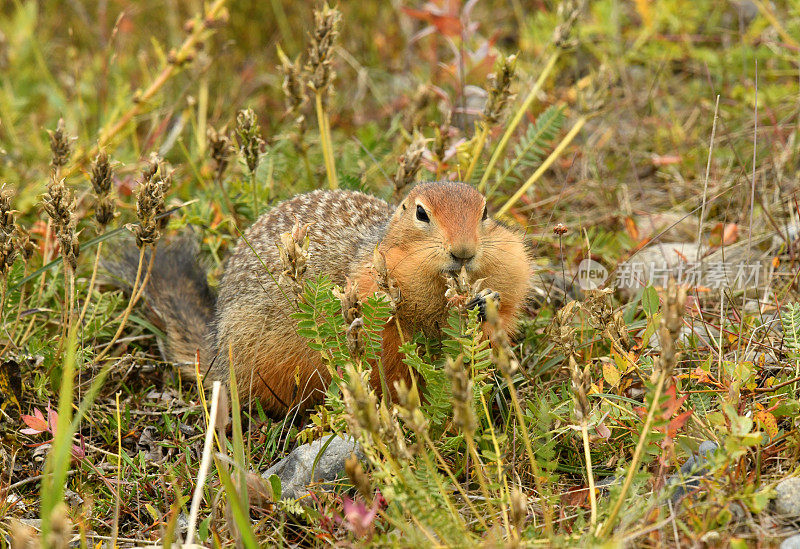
480	300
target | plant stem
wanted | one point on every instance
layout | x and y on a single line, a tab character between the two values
592	495
453	479
14	327
637	455
478	466
255	194
545	165
91	284
325	141
501	146
501	478
115	523
476	151
128	309
526	439
309	171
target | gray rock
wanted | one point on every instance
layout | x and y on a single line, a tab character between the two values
791	543
298	469
692	471
787	499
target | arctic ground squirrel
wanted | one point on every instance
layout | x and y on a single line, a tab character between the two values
437	230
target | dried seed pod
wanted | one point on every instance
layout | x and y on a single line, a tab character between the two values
293	87
518	504
386	284
102	181
60	145
409	407
320	51
248	134
461	397
499	95
149	204
581	382
351	303
568	12
9	245
355	472
409	165
60	204
220	150
361	404
293	250
669	329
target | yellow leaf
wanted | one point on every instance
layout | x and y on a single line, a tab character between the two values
643	7
611	374
769	423
10	384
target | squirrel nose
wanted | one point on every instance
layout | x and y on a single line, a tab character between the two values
462	254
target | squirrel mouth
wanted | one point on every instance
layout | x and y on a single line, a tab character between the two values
454	268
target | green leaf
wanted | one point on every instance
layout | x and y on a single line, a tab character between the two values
650	301
275	485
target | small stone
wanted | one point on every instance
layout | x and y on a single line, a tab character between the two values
791	543
692	470
787	499
295	470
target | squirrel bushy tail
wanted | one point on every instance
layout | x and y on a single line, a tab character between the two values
178	296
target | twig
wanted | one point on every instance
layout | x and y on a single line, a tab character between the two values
705	181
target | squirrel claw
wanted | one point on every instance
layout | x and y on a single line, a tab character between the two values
479	301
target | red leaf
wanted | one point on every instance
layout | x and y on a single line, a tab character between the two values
447	25
677	422
52	419
36	423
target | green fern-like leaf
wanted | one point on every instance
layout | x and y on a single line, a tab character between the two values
436	387
529	151
790	318
376	312
319	320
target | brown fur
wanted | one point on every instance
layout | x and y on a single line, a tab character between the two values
253	332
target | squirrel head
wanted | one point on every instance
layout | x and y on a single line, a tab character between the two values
440	228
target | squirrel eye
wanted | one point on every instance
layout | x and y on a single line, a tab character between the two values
485	213
422	215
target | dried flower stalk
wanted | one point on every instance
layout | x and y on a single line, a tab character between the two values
497	102
220	147
9	245
105	210
251	145
409	165
320	79
150	207
293	250
320	51
60	146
